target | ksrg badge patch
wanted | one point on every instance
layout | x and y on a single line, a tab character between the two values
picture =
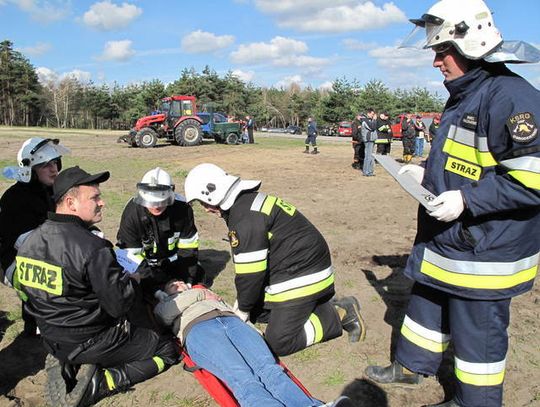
522	128
233	239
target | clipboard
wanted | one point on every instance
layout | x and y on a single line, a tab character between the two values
408	183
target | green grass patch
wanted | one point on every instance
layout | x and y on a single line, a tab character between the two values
306	355
335	379
14	315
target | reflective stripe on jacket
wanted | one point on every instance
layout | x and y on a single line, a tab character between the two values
492	250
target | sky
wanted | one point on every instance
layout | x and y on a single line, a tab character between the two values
264	42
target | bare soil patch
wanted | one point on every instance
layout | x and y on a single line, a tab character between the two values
369	223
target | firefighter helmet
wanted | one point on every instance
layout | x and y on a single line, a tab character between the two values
155	190
210	184
35	151
466	24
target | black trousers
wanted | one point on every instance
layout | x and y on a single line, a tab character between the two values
123	346
291	329
359	152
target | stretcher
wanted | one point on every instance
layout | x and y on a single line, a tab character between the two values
219	390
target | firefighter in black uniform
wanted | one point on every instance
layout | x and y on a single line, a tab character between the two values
358	146
384	134
158	231
79	295
280	259
24	205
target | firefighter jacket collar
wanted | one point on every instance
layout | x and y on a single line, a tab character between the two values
460	86
57	217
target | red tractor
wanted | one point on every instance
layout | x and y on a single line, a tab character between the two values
176	120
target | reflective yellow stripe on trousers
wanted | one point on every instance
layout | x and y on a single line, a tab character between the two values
300	286
423	337
480	374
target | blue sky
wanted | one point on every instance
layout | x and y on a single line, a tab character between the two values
266	42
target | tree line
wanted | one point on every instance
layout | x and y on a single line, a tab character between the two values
71	103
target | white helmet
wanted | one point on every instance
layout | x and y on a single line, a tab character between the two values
210	184
467	24
35	151
155	190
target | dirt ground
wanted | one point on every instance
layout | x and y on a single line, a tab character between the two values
369	223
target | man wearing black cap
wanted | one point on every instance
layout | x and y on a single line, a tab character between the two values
80	295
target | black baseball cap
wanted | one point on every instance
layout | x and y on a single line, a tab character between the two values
75	176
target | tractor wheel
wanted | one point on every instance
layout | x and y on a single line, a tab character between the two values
146	137
188	133
232	138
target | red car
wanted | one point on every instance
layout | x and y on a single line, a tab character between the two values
345	129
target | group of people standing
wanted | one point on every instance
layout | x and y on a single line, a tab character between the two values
370	130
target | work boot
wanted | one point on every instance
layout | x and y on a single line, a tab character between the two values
104	382
306	151
350	317
395	373
449	403
315	151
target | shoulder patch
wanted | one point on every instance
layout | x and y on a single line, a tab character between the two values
522	127
233	239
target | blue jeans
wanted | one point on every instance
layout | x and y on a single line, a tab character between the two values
239	356
419	146
368	158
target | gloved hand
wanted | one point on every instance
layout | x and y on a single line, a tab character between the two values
415	171
450	206
144	270
244	316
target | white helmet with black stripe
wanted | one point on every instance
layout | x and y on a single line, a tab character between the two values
33	152
211	185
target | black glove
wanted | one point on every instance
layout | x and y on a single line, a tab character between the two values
145	269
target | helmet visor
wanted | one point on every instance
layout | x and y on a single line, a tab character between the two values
425	33
154	196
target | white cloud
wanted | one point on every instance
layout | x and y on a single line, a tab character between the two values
356	45
326	86
108	16
401	58
49	77
336	16
279	52
78	75
39	49
117	51
278	47
288	81
44	11
46	75
201	42
244	76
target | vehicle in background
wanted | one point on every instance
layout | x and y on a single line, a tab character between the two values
397	123
345	129
294	129
330	130
206	125
176	120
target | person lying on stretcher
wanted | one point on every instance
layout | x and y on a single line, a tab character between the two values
235	352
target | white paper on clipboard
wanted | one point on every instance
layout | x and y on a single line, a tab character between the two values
408	183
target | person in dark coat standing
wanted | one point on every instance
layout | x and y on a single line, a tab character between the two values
357	144
311	136
250	124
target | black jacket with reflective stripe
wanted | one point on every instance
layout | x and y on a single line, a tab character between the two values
138	225
295	248
74	284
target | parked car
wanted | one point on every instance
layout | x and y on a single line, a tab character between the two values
345	129
330	130
294	129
